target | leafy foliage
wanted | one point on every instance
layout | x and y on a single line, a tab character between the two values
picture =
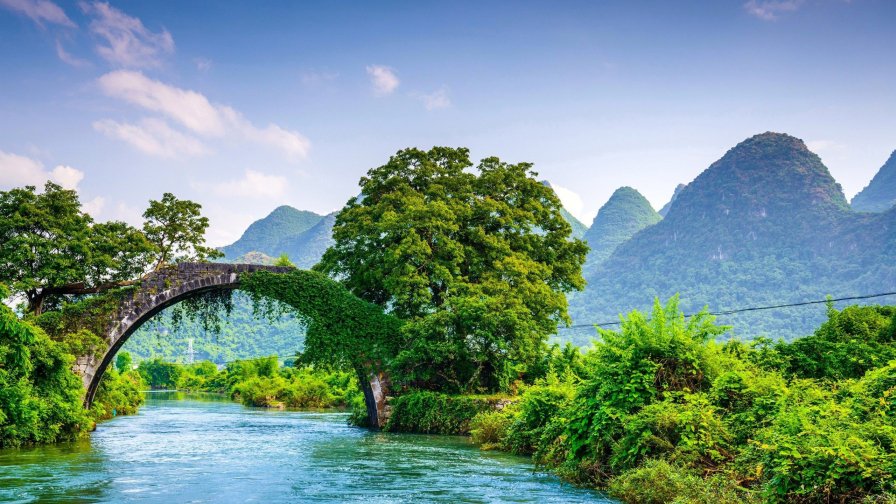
342	330
849	344
176	228
476	264
429	412
50	248
662	413
40	398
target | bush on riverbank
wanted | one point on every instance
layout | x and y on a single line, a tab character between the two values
40	397
429	412
659	412
119	393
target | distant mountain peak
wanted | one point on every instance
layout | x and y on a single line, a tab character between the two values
624	214
264	234
880	194
766	174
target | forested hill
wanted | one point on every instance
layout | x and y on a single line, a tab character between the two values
623	215
880	194
765	224
265	235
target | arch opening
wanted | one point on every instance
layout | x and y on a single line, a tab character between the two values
341	328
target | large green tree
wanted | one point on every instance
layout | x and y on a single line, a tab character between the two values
50	249
477	262
177	230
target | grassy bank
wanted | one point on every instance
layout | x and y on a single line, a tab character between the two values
660	412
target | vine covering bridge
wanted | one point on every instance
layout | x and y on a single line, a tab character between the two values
343	326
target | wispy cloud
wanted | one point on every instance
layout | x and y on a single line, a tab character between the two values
435	100
770	10
253	184
40	11
153	137
16	170
195	112
383	79
316	78
94	207
68	58
203	64
127	42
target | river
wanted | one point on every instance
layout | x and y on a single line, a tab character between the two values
195	448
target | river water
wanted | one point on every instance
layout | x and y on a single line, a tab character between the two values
194	448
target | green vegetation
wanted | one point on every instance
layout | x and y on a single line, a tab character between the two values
259	382
266	235
476	264
69	271
880	194
660	412
623	215
41	400
764	225
241	335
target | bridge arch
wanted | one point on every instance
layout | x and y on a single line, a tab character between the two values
341	327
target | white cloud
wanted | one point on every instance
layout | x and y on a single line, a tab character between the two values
769	10
68	58
126	213
254	184
436	100
383	79
66	176
94	207
39	11
127	42
195	112
572	202
18	171
153	137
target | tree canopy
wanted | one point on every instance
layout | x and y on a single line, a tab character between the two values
50	248
477	262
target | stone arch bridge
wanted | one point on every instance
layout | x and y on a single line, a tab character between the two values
169	286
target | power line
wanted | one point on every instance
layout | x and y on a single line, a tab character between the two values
753	308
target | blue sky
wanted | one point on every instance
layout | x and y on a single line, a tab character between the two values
246	106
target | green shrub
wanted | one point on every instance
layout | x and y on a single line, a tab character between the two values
536	407
488	429
660	482
118	394
434	413
41	400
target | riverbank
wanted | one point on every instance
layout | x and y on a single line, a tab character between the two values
660	412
